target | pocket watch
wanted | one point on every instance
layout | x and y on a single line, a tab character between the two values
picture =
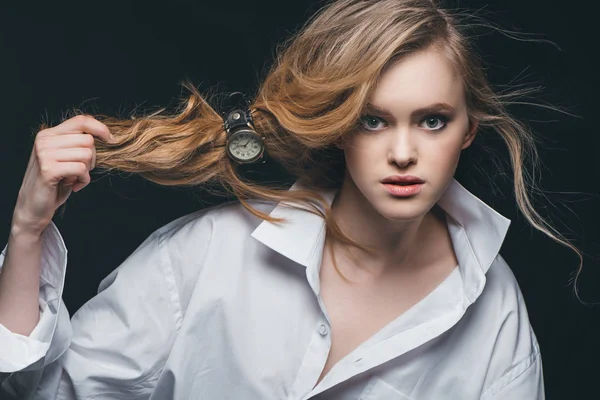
244	144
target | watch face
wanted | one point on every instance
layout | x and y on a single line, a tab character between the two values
245	146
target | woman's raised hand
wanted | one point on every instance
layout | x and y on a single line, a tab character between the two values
60	162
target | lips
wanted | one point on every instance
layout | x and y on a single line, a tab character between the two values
402	180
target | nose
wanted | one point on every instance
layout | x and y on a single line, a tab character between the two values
402	149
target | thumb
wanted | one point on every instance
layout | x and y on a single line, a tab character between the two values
64	191
69	181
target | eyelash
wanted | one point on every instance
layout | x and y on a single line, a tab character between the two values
440	117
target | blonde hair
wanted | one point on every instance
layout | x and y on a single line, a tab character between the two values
312	96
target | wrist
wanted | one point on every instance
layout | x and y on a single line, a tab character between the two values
23	231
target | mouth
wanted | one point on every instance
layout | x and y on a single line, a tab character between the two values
402	180
403	189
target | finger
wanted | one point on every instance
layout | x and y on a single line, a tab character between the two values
76	140
65	141
62	170
81	154
77	186
80	124
93	163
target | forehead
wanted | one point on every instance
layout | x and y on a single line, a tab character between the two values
419	79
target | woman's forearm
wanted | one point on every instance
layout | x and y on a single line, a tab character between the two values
19	282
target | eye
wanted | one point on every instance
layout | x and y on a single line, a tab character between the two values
369	122
430	122
434	122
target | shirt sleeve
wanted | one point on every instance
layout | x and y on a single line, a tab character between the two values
523	381
50	337
114	346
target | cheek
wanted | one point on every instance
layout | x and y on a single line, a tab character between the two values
357	157
443	153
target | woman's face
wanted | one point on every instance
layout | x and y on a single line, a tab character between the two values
418	126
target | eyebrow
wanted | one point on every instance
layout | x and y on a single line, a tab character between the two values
421	112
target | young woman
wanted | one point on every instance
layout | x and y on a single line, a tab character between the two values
375	276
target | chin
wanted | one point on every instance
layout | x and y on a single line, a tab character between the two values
404	217
402	210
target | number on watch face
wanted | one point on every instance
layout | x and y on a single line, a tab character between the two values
244	146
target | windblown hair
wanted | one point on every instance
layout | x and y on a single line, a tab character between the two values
311	98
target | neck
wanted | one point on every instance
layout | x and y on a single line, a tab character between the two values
398	244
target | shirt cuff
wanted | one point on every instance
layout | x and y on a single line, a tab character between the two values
18	352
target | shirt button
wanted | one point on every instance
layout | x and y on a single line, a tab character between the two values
323	330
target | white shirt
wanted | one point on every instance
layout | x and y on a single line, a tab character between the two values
220	304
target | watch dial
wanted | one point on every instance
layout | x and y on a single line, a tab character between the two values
245	146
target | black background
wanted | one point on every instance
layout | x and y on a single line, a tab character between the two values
118	56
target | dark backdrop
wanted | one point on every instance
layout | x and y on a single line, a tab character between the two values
114	56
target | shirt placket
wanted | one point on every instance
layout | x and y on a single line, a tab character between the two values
319	346
313	362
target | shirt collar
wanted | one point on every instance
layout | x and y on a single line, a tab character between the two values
477	232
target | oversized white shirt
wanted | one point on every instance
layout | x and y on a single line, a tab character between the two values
219	304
